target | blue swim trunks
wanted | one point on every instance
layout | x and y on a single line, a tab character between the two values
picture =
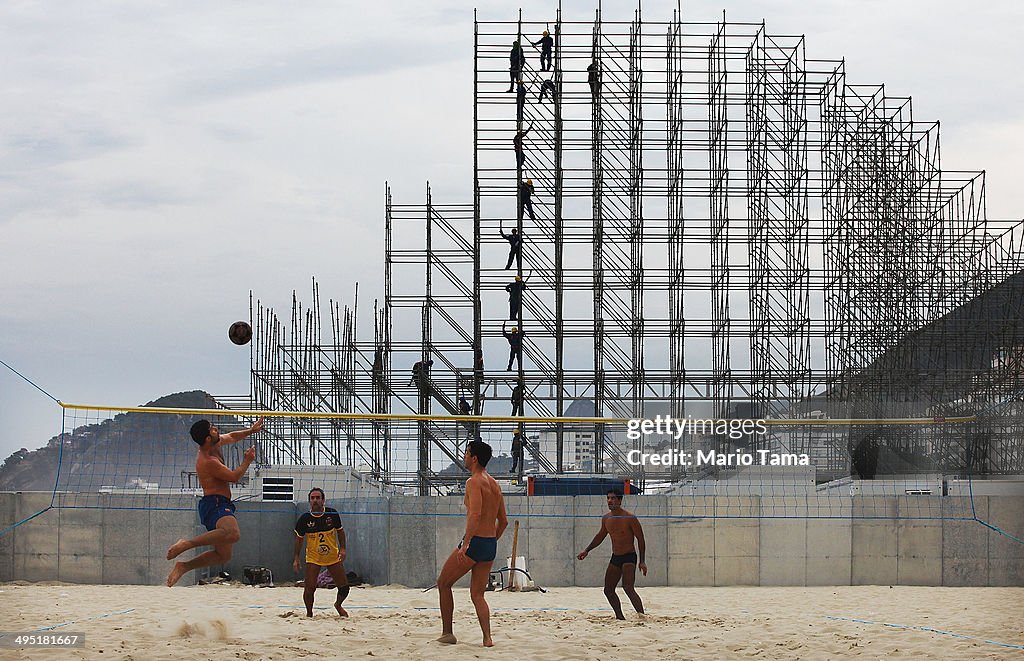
482	549
212	508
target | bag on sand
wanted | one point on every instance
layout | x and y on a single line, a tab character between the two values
258	576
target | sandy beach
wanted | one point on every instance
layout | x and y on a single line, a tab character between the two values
241	622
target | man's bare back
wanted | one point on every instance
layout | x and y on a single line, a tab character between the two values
486	520
490	502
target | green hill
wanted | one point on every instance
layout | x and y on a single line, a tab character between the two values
130	446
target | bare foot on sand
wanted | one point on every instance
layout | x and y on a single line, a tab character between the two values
176	574
447	639
341	611
177	548
488	642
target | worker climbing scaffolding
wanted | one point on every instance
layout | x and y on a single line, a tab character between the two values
515	290
518	444
421	372
546	86
516	62
515	248
517	145
594	79
518	398
546	43
526	199
515	346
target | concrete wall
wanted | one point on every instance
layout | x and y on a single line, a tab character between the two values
98	542
268	539
691	540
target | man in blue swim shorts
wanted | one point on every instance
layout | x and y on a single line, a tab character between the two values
485	522
216	510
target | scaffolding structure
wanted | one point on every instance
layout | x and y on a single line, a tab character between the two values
719	227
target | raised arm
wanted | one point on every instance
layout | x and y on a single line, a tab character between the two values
236	436
598	538
221	472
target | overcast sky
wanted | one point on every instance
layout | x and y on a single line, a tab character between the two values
159	160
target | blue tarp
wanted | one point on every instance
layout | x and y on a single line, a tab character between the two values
579	486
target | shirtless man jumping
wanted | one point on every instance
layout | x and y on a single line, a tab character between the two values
485	522
623	527
216	510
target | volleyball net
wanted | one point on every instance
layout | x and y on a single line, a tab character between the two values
877	468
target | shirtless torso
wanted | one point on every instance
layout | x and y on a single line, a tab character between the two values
213	474
485	522
623	527
216	511
482	514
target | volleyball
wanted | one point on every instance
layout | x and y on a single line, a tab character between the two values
240	332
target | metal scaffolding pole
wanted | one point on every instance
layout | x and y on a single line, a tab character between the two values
719	227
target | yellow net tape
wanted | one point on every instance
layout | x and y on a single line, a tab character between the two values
775	422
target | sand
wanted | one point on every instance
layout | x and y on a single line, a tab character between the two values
242	622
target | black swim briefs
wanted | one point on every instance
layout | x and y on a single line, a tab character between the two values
482	549
624	559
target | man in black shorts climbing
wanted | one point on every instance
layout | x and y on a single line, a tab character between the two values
623	527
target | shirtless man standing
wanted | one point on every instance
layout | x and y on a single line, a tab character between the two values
485	522
216	510
623	526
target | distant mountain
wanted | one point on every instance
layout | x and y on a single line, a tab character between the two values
128	448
